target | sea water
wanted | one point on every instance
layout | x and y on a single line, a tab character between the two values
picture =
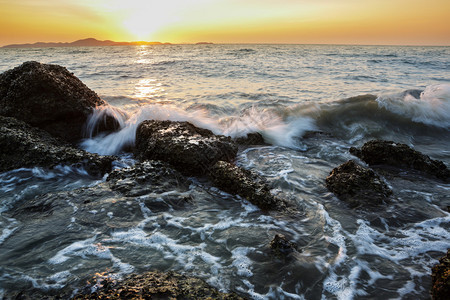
284	92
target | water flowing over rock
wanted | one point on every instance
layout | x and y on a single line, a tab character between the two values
357	186
236	180
23	146
156	285
441	278
377	152
48	97
152	178
189	149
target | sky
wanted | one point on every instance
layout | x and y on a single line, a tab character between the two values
374	22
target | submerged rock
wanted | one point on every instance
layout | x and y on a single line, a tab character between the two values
155	178
23	146
235	180
48	97
281	246
440	277
378	152
190	149
357	186
155	285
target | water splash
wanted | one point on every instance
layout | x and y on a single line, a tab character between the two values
100	117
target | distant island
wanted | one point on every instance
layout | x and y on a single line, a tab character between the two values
90	42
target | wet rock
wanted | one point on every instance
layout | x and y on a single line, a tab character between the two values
236	180
440	277
152	177
357	186
155	285
48	97
281	246
253	138
189	149
23	146
378	152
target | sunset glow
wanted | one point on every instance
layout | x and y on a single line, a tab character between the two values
413	22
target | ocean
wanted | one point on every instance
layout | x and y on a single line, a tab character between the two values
303	100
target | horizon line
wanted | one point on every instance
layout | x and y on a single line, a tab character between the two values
158	43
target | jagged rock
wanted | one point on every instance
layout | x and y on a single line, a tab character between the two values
379	152
440	277
24	146
235	180
253	138
357	186
155	285
48	97
281	246
189	149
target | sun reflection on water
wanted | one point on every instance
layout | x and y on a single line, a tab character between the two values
148	88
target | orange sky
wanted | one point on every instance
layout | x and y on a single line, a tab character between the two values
404	22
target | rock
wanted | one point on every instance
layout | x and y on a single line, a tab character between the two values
357	186
155	285
253	138
235	180
23	146
189	149
440	277
48	97
377	152
281	246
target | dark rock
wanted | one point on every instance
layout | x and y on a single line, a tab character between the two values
281	246
22	146
253	138
48	97
235	180
155	285
440	277
379	152
190	149
357	186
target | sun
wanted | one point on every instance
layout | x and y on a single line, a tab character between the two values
144	25
142	19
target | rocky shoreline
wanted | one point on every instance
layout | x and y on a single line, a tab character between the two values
43	113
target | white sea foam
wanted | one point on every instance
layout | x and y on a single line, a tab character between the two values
241	261
433	107
55	281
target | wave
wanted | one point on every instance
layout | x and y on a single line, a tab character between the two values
397	116
431	107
